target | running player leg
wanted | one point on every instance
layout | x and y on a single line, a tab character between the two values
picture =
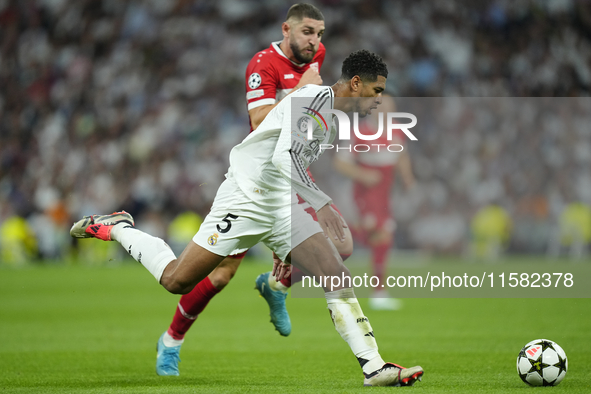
317	257
275	292
221	232
188	309
193	303
380	243
379	228
152	252
345	249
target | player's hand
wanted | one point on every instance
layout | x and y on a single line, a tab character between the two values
331	223
280	269
310	76
370	178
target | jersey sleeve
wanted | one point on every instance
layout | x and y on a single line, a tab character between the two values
289	158
261	81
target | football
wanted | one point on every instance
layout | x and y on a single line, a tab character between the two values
542	362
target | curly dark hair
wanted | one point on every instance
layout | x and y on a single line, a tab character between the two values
365	64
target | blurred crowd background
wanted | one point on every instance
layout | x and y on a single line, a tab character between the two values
135	105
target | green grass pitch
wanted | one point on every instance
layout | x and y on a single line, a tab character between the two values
74	329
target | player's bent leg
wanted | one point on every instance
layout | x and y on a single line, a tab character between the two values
318	257
188	309
380	242
345	249
182	274
193	303
193	265
275	292
224	272
176	275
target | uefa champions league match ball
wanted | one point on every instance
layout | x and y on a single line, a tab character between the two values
542	362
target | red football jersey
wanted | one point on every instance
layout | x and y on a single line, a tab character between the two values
374	201
378	156
270	75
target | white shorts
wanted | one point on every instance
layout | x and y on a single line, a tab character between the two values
236	223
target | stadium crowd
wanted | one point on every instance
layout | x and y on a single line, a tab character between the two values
109	104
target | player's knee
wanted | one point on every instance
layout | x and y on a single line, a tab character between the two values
345	248
221	276
175	285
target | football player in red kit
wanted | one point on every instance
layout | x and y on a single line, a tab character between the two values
373	173
272	73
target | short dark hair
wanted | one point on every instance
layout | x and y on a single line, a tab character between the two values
303	10
367	65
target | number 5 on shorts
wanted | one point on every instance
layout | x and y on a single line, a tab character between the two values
228	222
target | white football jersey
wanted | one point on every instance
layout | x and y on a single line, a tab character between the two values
270	164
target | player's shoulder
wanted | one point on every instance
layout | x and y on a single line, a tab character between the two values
313	97
263	58
312	90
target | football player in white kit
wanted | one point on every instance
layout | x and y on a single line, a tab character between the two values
257	203
271	74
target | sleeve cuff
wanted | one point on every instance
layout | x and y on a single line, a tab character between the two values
261	102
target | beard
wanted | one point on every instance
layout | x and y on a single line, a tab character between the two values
299	55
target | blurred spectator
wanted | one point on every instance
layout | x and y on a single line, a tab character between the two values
491	231
574	231
182	229
18	244
135	104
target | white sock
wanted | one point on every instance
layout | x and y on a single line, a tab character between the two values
277	286
354	328
152	252
169	341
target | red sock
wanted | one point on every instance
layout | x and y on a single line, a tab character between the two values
296	273
295	277
190	306
379	254
286	281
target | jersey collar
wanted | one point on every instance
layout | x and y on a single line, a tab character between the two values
275	45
